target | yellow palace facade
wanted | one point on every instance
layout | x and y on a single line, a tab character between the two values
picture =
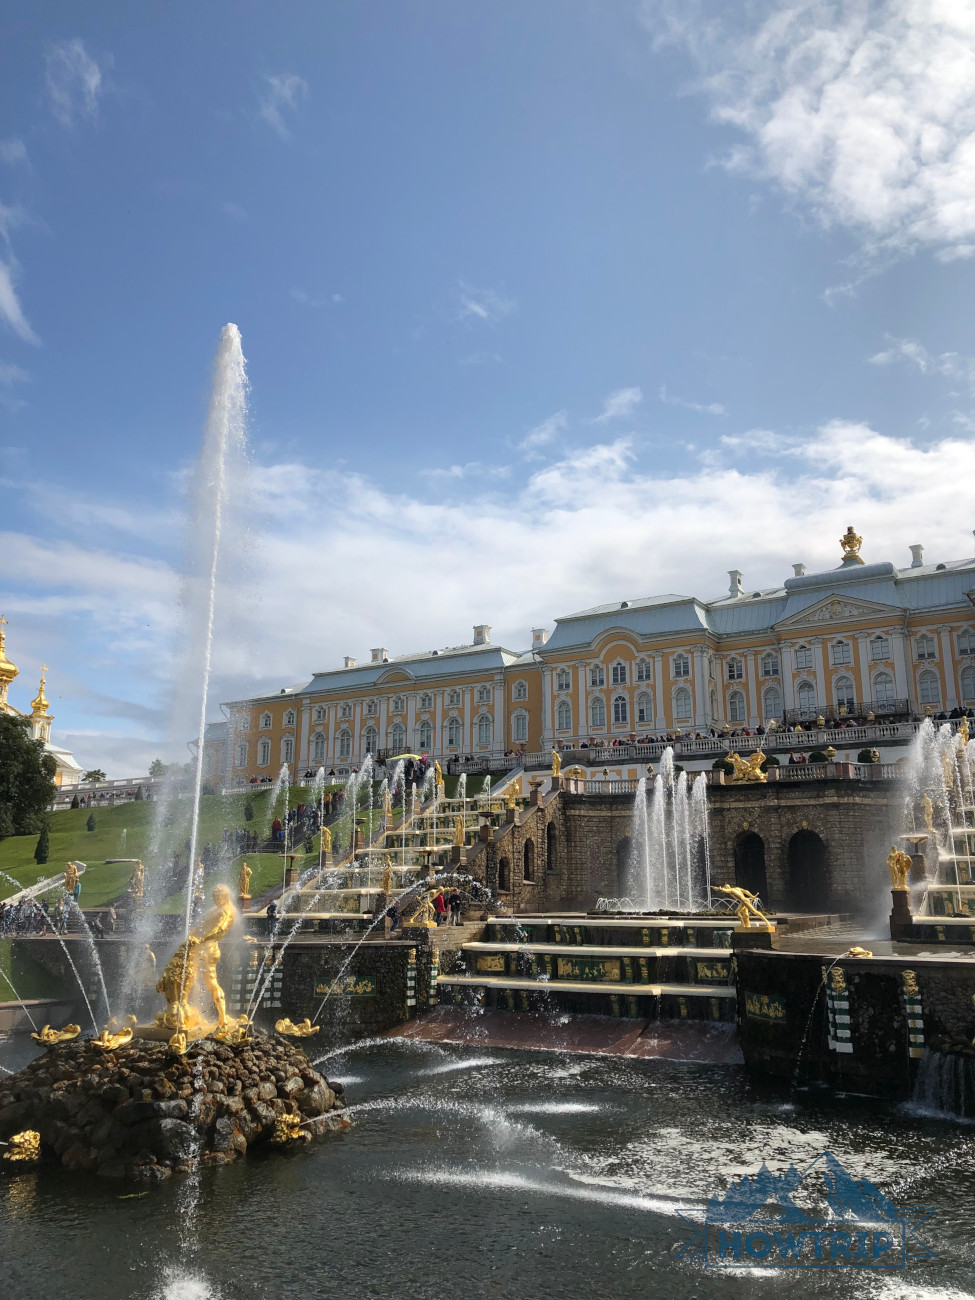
862	638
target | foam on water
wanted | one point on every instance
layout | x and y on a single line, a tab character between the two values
177	1284
512	1180
554	1108
471	1063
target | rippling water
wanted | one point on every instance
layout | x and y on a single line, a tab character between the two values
473	1175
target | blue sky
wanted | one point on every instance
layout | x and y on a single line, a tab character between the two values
543	305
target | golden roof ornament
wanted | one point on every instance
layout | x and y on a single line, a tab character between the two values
851	544
39	704
8	671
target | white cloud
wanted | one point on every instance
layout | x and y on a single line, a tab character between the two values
620	404
10	309
482	304
473	469
542	435
11	374
865	113
950	365
702	408
74	82
13	151
310	300
284	96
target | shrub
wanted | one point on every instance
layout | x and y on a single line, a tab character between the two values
817	756
249	810
771	761
90	823
76	802
722	765
42	848
867	756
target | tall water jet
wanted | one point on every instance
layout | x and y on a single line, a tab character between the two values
667	868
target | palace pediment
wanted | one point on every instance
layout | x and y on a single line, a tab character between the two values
839	609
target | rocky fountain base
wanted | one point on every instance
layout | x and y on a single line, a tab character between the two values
140	1112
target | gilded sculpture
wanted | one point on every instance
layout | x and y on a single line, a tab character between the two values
963	732
898	864
304	1028
244	881
24	1147
837	979
109	1041
437	772
511	793
459	832
136	887
49	1036
326	840
71	878
556	763
425	914
851	544
387	876
749	769
909	980
199	955
746	908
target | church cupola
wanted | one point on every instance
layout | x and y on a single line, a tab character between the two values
8	671
40	718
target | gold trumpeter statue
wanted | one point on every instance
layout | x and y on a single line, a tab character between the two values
746	908
425	914
71	877
109	1041
198	955
24	1147
748	769
459	832
851	544
326	840
136	887
556	763
898	864
304	1028
244	881
49	1036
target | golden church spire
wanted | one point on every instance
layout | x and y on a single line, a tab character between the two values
39	705
8	671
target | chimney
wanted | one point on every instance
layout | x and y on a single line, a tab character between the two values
539	637
380	655
917	555
798	570
482	633
734	586
349	661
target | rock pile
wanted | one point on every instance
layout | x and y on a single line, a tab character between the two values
140	1112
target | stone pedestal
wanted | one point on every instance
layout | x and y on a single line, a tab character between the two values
485	833
457	855
901	921
754	937
556	783
244	902
291	874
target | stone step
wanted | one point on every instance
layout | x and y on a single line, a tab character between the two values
587	986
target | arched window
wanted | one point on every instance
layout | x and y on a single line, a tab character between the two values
597	675
263	753
372	740
736	670
397	737
929	688
842	654
644	708
966	679
621	712
618	672
372	708
345	744
424	734
563	679
519	727
551	843
925	647
426	701
319	713
806	697
521	691
681	666
880	648
287	750
345	711
644	670
484	695
966	642
682	705
453	698
563	716
770	667
529	859
771	703
803	657
318	748
883	688
485	729
398	704
504	875
289	718
241	755
453	733
736	707
597	712
265	721
844	693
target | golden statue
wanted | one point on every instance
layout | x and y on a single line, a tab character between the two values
437	772
749	769
948	771
387	804
511	793
556	763
304	1029
898	864
200	953
108	1041
425	914
851	544
244	881
24	1146
909	980
178	1043
928	812
459	832
746	908
963	732
137	882
288	1128
71	878
837	979
235	1032
49	1036
857	951
326	840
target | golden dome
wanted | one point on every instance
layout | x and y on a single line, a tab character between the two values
8	671
39	705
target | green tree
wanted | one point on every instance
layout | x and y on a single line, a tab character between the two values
96	774
249	810
26	778
157	769
90	823
75	802
42	848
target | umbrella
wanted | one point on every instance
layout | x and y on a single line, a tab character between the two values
416	758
